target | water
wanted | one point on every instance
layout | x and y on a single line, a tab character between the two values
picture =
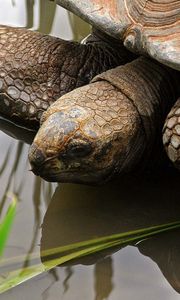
50	215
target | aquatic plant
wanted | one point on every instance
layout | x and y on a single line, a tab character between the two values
6	224
75	251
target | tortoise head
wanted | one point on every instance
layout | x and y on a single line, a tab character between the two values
82	138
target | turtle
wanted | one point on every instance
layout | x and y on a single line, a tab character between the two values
114	123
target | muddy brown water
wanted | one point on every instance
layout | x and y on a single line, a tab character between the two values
50	215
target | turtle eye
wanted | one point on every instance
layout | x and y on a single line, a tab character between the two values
79	149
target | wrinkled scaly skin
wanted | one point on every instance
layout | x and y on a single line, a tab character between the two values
36	69
107	127
171	134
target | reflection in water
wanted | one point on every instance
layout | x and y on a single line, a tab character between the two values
55	278
47	10
14	177
78	213
79	27
29	13
103	273
46	16
165	252
12	174
5	162
37	223
69	272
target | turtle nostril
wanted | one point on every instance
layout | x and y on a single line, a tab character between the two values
36	158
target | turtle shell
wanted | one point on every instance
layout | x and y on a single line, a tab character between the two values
149	27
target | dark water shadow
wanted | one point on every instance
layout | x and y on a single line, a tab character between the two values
78	213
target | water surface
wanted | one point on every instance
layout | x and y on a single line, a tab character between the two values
50	215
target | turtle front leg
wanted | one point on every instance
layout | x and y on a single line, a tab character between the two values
36	69
113	125
171	134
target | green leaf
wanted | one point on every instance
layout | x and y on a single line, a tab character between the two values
80	250
5	225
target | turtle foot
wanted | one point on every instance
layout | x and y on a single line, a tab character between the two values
171	134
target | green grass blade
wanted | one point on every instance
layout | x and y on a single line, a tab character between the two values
19	276
5	225
92	242
110	238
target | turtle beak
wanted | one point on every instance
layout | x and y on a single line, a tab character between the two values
36	159
48	143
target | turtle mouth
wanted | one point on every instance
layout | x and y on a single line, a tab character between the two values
54	170
73	176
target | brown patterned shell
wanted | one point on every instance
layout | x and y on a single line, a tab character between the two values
150	27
